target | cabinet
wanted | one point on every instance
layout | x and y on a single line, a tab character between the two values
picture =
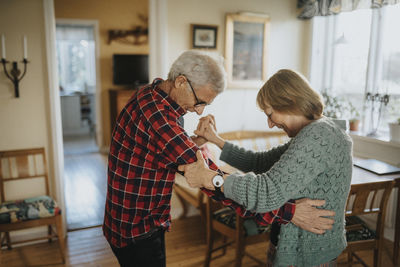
118	100
75	110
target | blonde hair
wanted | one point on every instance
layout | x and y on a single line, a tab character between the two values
289	92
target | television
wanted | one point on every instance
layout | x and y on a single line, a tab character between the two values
130	70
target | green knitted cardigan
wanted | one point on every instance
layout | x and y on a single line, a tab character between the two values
315	164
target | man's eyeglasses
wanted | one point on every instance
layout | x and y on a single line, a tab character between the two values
199	103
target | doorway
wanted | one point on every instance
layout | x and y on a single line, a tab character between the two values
84	165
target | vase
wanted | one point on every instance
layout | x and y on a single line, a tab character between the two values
353	125
394	132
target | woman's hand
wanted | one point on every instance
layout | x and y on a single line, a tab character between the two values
198	174
207	129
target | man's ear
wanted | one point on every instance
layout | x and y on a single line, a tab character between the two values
180	81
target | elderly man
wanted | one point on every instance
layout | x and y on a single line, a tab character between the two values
148	144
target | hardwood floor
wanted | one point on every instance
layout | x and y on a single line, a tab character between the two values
85	189
185	247
85	182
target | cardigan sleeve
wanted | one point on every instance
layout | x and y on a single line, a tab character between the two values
247	160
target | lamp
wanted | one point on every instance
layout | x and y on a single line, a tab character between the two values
15	74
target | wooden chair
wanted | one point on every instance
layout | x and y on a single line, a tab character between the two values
235	230
254	140
365	199
27	166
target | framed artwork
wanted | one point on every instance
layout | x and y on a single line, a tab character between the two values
246	50
204	36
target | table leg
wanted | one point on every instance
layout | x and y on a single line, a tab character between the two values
397	228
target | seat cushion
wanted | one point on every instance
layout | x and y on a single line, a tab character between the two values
227	216
28	209
361	233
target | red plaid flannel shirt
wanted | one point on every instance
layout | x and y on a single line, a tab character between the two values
147	146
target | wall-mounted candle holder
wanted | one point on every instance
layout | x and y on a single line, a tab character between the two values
15	74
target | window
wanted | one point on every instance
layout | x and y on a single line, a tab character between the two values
390	77
76	58
356	54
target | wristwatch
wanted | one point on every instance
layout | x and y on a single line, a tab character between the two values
218	181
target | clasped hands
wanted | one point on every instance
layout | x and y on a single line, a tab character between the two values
307	216
198	174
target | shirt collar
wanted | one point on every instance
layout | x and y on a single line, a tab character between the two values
155	85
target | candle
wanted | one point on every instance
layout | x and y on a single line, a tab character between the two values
3	46
25	47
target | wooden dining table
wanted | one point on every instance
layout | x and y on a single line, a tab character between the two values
361	176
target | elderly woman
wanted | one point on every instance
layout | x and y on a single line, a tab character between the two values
316	163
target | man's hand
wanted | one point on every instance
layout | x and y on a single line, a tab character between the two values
198	140
311	219
198	174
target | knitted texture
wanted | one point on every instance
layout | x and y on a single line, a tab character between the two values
316	164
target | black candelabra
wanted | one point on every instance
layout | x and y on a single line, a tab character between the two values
15	74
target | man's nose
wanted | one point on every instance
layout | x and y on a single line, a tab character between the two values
199	110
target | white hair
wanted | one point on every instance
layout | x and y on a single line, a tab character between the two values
201	69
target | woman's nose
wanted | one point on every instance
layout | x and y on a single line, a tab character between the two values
271	124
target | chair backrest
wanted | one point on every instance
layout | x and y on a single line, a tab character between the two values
256	140
17	166
370	198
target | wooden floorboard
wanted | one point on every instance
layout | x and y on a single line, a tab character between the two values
85	189
185	248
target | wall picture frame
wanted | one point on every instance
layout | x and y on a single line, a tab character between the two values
246	42
204	36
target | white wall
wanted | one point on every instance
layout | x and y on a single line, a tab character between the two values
25	121
288	47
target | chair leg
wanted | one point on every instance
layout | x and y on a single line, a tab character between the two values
239	247
224	239
60	236
397	232
349	258
50	232
184	207
210	241
8	240
377	256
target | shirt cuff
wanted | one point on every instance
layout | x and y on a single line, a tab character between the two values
286	212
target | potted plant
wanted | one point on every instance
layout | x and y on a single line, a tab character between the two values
394	128
354	120
334	105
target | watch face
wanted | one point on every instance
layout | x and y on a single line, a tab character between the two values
218	181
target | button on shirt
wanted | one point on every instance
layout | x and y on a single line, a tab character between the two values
148	144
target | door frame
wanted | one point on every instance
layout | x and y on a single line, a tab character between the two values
95	25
